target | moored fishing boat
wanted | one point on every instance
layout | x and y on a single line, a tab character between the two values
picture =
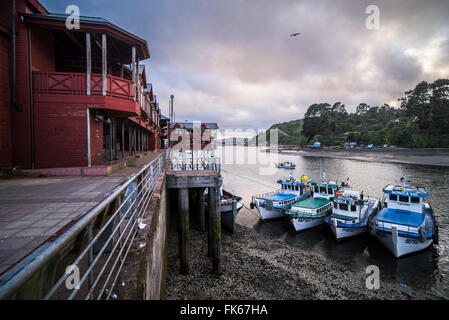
406	223
272	205
309	213
351	213
228	215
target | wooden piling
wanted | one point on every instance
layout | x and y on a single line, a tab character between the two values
210	239
216	225
201	210
184	245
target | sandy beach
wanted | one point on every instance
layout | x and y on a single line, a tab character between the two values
432	157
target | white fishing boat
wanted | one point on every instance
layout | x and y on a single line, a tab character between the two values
310	213
272	205
351	213
406	223
286	165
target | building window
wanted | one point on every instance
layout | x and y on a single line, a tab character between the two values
393	197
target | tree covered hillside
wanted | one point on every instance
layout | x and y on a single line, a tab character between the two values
421	121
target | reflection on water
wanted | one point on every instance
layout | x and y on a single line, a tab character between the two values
426	272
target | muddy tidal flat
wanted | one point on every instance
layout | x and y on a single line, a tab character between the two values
263	267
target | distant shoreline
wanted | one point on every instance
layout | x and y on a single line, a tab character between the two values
431	157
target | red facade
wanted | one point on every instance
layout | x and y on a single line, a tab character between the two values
52	115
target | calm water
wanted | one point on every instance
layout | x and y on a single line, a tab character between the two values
426	272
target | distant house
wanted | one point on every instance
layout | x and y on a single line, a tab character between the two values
194	135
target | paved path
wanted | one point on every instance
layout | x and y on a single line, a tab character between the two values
32	209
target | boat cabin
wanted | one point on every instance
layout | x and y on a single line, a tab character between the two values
407	198
349	204
277	201
291	185
326	190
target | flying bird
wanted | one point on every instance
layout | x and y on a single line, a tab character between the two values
295	34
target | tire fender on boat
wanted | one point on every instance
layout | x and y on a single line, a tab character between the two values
251	205
422	234
373	228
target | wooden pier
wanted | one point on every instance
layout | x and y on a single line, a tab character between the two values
192	184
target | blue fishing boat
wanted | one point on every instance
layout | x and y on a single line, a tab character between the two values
272	205
406	223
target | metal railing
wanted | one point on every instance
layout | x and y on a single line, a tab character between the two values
101	259
187	161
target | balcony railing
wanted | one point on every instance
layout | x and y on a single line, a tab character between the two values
75	84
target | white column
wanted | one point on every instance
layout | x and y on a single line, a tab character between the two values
89	164
104	62
138	79
134	71
88	63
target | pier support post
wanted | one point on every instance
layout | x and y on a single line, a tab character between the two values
184	246
210	239
216	229
201	210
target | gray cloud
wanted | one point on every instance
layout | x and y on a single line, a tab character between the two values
234	62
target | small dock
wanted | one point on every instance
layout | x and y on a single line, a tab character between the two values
188	184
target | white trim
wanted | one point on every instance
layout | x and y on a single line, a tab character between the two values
89	164
88	63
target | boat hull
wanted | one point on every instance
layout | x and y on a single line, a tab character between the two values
268	215
345	232
228	217
401	245
304	224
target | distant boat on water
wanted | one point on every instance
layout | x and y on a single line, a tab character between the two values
286	165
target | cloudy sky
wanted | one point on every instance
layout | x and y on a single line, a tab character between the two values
233	61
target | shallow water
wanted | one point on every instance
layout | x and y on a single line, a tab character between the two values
426	272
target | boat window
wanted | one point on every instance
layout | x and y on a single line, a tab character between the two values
353	208
316	188
414	199
329	191
343	206
322	190
296	187
403	199
393	197
335	205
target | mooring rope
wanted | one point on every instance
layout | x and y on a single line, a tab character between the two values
249	179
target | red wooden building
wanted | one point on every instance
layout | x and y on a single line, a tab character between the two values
71	97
